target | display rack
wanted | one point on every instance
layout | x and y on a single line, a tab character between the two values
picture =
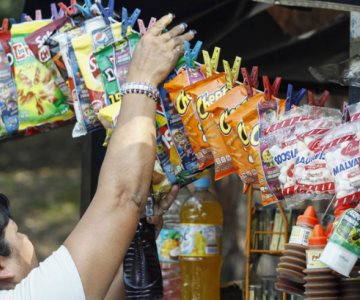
250	250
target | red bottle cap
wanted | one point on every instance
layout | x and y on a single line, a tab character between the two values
318	237
308	218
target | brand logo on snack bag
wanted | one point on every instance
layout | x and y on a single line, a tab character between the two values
44	51
242	134
99	39
182	103
21	51
225	127
254	135
351	149
205	100
94	66
346	165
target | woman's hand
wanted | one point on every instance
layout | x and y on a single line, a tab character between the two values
161	208
158	52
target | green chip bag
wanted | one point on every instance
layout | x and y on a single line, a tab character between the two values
40	101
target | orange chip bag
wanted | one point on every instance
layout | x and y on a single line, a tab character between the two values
221	109
245	120
183	104
205	93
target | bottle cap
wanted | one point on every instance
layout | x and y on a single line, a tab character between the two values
202	183
308	218
318	237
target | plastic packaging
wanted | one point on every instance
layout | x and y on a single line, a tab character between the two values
205	93
343	248
40	101
187	111
342	154
200	242
221	110
168	244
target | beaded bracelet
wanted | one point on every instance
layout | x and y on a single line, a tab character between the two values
140	88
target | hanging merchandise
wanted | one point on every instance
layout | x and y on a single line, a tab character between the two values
40	101
187	111
201	221
246	121
222	109
342	155
206	92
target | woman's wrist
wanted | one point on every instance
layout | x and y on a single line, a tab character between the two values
143	78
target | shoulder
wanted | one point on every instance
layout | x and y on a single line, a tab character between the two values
56	278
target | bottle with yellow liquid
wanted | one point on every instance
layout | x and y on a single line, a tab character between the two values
201	221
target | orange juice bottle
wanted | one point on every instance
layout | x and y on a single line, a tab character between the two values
201	220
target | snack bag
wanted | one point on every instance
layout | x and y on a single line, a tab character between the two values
8	98
160	183
114	61
37	44
354	112
187	111
40	100
205	93
341	148
177	131
313	178
221	110
5	38
245	120
83	49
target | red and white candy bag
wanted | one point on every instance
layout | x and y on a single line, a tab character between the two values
342	154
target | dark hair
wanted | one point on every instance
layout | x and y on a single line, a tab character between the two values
4	221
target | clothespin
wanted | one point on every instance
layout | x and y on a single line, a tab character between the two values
322	100
211	64
191	55
293	100
128	22
251	81
142	27
38	15
271	90
232	75
108	13
5	25
55	14
85	9
71	10
13	21
24	18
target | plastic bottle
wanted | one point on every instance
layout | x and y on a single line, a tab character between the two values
168	244
343	248
142	273
316	270
201	220
305	223
292	264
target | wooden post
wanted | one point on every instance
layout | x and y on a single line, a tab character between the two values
248	243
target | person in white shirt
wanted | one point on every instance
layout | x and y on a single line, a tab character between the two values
88	264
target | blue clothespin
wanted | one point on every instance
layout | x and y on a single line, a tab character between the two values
12	21
191	55
128	22
23	18
291	99
108	13
86	9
